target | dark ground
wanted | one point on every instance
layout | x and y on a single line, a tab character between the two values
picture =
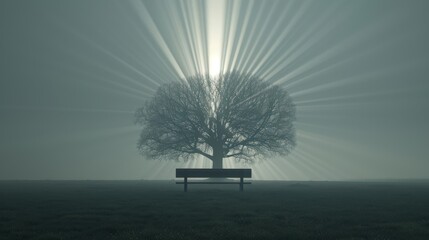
265	210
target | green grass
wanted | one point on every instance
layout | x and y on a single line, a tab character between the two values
265	210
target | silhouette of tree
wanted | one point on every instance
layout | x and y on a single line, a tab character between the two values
231	116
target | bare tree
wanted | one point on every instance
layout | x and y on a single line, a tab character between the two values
232	116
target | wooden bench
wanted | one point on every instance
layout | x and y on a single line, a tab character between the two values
186	173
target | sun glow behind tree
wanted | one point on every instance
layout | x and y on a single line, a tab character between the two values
215	24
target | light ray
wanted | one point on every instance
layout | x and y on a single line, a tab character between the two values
241	24
125	63
300	46
125	88
120	88
147	21
280	40
193	35
260	43
296	75
153	46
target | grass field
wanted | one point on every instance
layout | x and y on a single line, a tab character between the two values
265	210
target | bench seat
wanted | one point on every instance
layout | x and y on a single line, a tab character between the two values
186	173
196	182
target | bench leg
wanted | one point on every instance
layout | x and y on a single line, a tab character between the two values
185	185
241	184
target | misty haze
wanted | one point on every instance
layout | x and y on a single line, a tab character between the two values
287	119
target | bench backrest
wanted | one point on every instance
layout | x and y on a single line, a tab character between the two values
214	173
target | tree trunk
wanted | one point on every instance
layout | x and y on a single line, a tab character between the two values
217	157
218	163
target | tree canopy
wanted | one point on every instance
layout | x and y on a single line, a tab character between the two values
233	115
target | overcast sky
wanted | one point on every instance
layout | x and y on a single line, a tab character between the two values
72	74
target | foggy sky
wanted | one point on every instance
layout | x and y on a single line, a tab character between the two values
72	73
